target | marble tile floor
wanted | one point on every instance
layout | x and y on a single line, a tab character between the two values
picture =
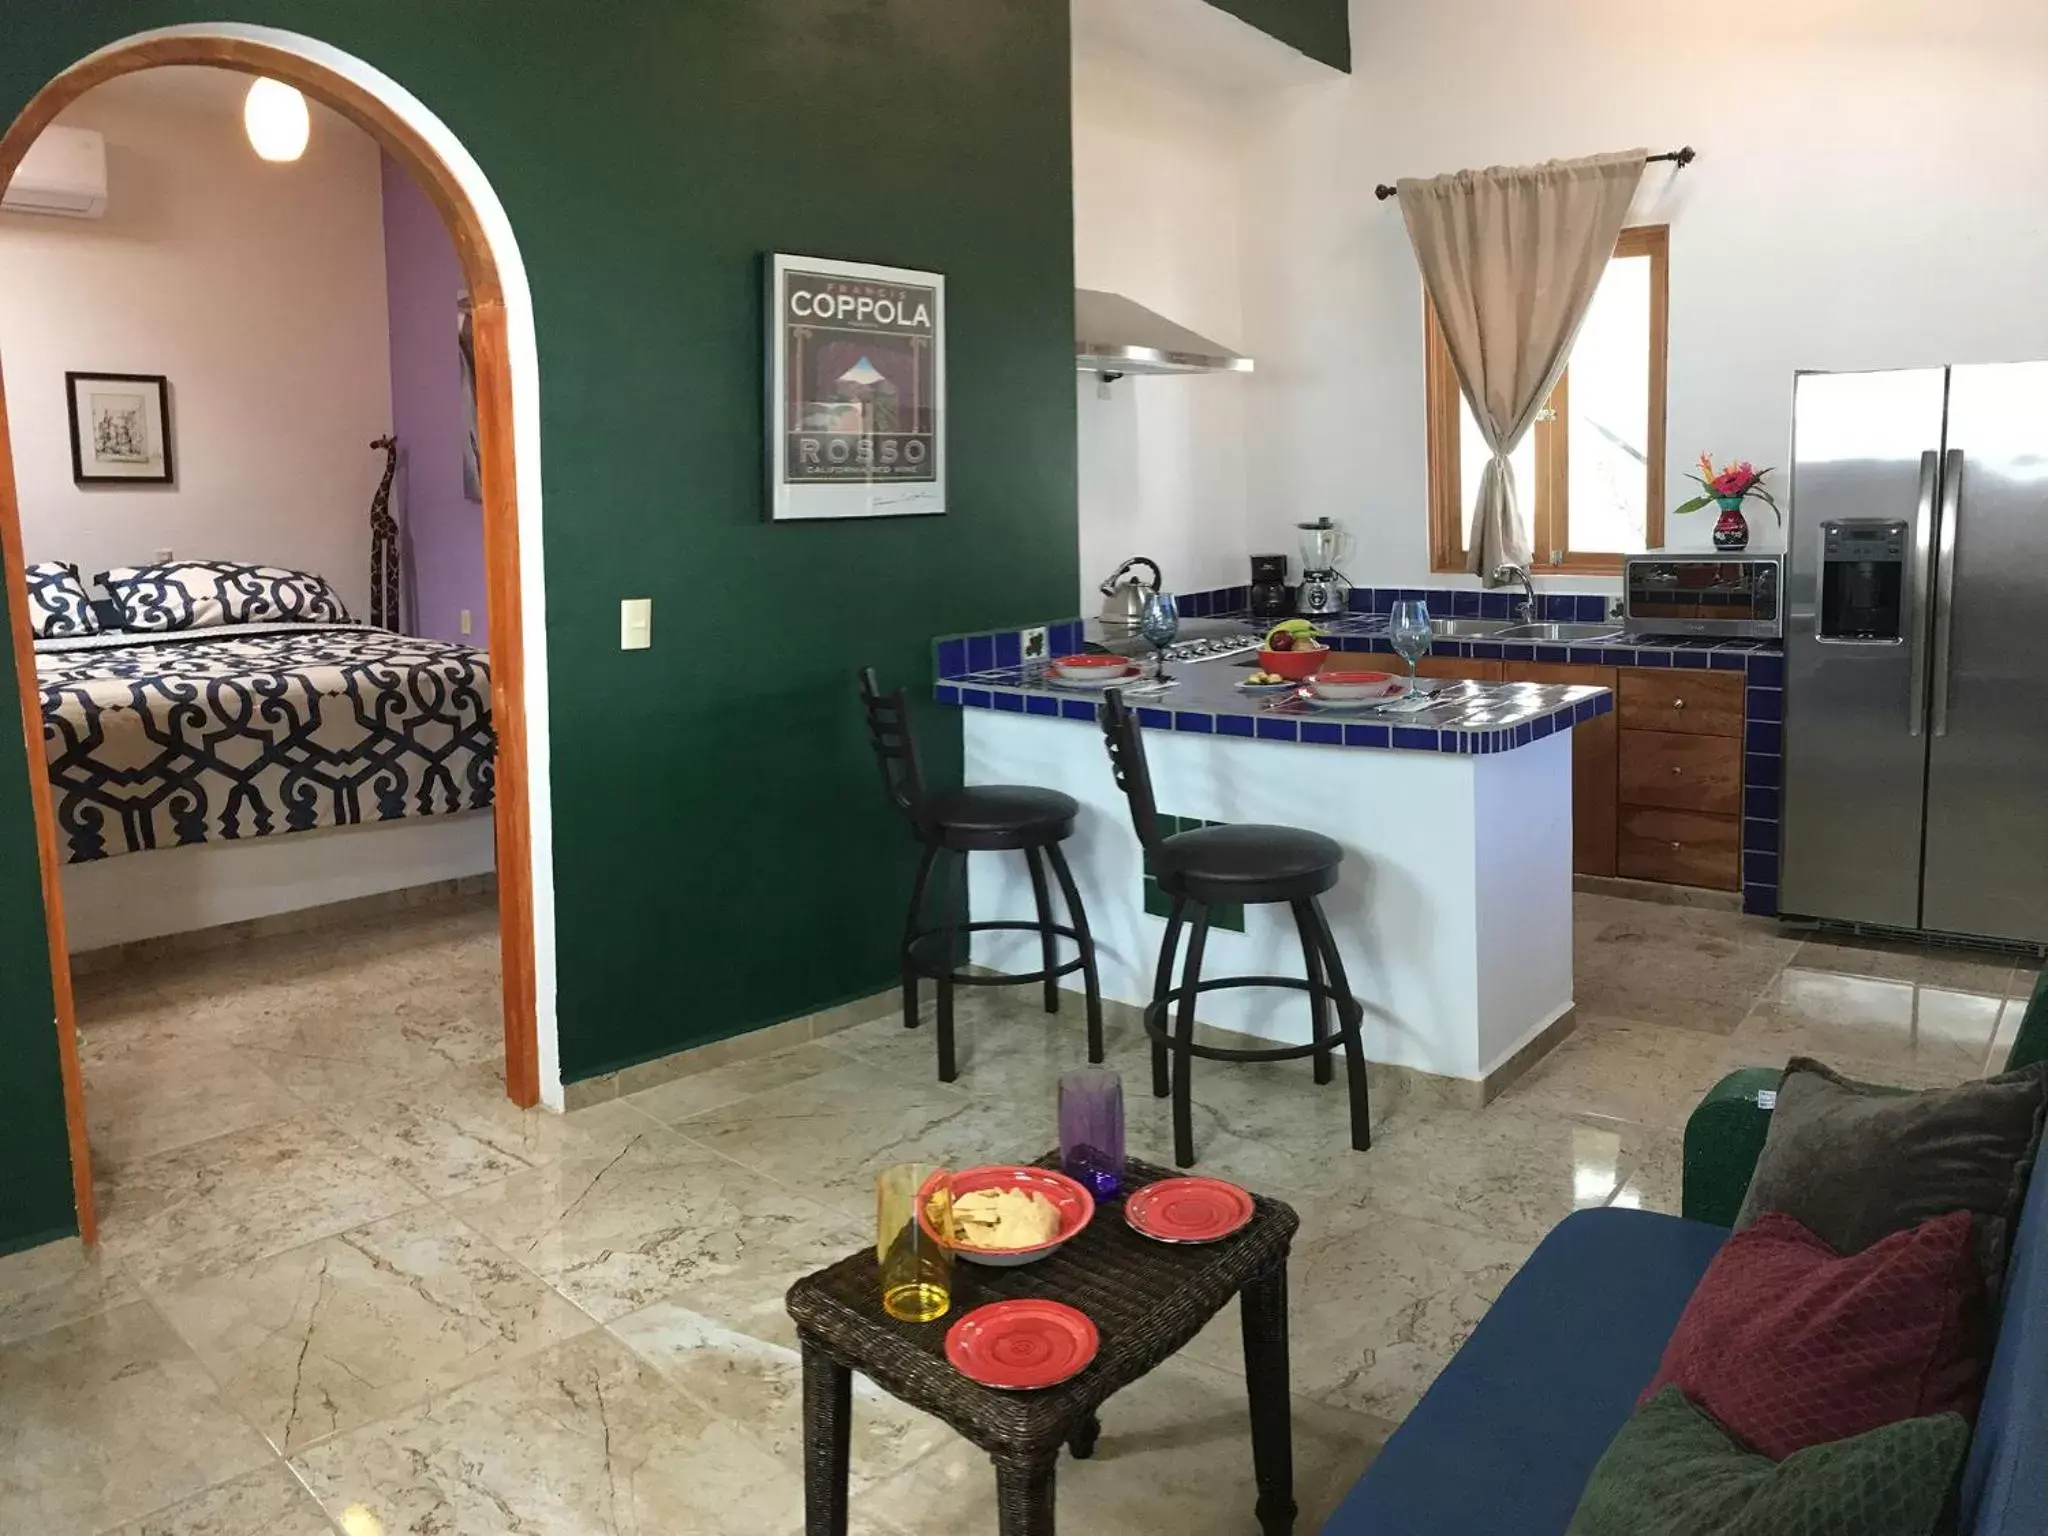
345	1287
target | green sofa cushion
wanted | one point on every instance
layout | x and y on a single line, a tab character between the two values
1674	1471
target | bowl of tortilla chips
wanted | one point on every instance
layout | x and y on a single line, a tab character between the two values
1004	1215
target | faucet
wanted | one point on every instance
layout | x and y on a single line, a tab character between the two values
1525	610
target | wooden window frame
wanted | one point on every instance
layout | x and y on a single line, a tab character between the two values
1449	511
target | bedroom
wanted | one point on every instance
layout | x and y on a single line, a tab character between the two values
244	774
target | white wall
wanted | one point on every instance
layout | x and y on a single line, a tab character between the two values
258	289
1156	191
1869	193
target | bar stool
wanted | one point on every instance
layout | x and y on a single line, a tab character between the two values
1243	866
978	819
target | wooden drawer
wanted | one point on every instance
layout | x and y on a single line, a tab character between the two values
1471	669
1593	765
1680	848
1697	703
1680	772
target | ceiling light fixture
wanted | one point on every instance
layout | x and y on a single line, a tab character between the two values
275	118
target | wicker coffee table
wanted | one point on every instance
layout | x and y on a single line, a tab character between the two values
1147	1300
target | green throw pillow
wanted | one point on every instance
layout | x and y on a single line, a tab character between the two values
1673	1471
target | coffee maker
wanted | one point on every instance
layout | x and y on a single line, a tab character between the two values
1270	598
1323	590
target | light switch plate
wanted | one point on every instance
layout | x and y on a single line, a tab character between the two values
636	623
468	622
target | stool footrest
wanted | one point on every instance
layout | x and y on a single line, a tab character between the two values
937	971
1157	1027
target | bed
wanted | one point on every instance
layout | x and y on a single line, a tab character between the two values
225	734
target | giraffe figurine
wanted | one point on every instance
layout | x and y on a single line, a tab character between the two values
384	582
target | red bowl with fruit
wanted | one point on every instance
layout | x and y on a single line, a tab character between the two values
1297	665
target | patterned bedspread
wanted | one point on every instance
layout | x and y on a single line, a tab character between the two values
224	734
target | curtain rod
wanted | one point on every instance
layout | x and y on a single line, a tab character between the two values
1679	157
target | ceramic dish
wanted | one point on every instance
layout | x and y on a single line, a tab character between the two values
1298	665
1191	1210
1075	1205
1262	689
1084	666
1023	1345
1352	706
1098	678
1340	683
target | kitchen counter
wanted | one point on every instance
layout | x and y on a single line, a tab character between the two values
1454	908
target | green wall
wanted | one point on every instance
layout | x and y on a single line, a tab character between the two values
1319	28
723	857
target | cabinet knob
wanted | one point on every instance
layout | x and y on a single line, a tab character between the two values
1678	703
1676	770
1677	847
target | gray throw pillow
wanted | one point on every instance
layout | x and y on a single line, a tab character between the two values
1853	1162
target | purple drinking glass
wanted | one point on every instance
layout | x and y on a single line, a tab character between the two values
1092	1130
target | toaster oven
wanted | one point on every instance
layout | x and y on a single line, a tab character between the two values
1704	592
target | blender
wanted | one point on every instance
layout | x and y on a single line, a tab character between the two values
1323	590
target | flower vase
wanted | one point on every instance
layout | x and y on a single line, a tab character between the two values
1732	531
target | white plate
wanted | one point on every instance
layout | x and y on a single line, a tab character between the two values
1092	684
1282	686
1346	706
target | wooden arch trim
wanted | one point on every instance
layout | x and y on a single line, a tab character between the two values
500	526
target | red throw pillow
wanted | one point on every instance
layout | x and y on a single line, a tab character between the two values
1789	1344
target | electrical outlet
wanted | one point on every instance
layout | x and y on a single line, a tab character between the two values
468	622
636	623
161	557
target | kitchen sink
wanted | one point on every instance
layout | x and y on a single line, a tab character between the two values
1450	628
1559	632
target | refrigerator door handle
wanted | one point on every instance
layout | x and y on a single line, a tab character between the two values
1945	583
1923	610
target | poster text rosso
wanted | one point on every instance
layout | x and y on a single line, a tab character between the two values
861	308
862	451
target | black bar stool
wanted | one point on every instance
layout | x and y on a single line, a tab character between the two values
978	819
1241	866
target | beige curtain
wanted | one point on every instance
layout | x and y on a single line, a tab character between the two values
1511	257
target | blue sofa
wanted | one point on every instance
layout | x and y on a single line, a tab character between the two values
1503	1442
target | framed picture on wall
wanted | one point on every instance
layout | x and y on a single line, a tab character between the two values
120	427
856	390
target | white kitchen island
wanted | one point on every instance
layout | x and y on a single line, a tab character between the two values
1454	912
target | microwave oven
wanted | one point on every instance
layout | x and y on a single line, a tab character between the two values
1704	592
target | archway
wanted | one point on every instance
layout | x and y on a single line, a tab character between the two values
508	430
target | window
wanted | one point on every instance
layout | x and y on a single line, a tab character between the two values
1590	476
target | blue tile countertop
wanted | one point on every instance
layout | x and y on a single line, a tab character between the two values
1468	719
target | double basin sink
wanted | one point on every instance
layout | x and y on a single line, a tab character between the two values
1503	629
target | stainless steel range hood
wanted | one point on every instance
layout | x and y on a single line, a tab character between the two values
1114	336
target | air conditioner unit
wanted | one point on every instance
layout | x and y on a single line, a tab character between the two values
63	173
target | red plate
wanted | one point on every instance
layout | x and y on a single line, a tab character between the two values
1022	1345
1188	1210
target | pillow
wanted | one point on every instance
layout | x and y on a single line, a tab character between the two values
1853	1162
59	607
205	594
1789	1344
1673	1471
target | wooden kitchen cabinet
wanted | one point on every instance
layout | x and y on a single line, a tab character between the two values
1668	699
1674	771
1680	847
1595	766
1471	669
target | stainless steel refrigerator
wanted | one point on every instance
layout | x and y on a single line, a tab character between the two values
1916	651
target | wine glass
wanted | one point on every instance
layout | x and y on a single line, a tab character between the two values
1159	623
1408	629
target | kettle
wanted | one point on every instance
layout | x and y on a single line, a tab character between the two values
1124	601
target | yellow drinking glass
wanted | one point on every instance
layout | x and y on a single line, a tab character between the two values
915	1261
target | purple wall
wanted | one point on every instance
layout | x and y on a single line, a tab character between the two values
444	531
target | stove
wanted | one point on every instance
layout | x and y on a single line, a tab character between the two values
1201	640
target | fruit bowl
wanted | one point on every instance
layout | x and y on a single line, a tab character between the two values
1297	665
1070	1197
1346	685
